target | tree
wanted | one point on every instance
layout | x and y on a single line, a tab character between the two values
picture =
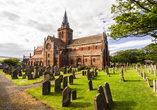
134	18
10	61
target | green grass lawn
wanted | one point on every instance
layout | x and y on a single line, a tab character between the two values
23	82
133	94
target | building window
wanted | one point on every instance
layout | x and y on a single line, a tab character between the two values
71	61
74	49
82	48
88	48
93	59
62	34
86	60
96	47
79	60
48	62
48	55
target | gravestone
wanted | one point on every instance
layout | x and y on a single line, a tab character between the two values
46	76
89	76
108	94
140	74
64	70
154	85
41	72
85	72
155	72
24	76
122	78
65	81
106	68
82	73
35	75
66	96
73	74
55	70
46	87
101	91
61	77
19	72
151	71
148	82
71	79
30	76
144	76
57	86
98	102
74	95
14	74
90	85
113	70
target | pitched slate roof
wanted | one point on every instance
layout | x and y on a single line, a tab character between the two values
39	48
57	41
89	39
37	56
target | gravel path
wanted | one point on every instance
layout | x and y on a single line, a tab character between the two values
14	97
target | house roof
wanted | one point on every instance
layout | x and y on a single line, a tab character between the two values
89	39
37	56
57	41
39	48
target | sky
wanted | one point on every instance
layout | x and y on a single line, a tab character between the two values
25	23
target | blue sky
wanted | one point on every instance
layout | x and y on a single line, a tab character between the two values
25	23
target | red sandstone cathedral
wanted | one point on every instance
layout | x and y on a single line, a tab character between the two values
66	51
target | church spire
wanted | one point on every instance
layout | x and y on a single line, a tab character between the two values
65	20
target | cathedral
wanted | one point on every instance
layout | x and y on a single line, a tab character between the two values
66	51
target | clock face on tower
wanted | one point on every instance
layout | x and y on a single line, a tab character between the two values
48	46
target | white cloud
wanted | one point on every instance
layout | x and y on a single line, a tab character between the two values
130	44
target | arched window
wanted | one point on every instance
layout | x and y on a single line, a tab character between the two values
86	60
93	59
48	55
71	61
96	47
62	34
82	48
79	60
88	48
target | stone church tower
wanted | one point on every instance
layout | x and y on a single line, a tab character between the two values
65	33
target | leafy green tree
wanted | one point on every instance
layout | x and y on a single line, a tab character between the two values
10	61
134	18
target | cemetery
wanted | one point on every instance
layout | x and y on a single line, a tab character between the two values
121	88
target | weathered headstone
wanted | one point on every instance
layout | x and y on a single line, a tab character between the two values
35	75
55	70
57	86
106	68
154	85
122	78
46	76
65	81
74	95
148	82
89	76
90	85
46	87
82	73
66	96
14	74
73	74
155	72
61	77
98	102
113	70
24	76
71	79
108	94
144	76
101	91
19	72
30	76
